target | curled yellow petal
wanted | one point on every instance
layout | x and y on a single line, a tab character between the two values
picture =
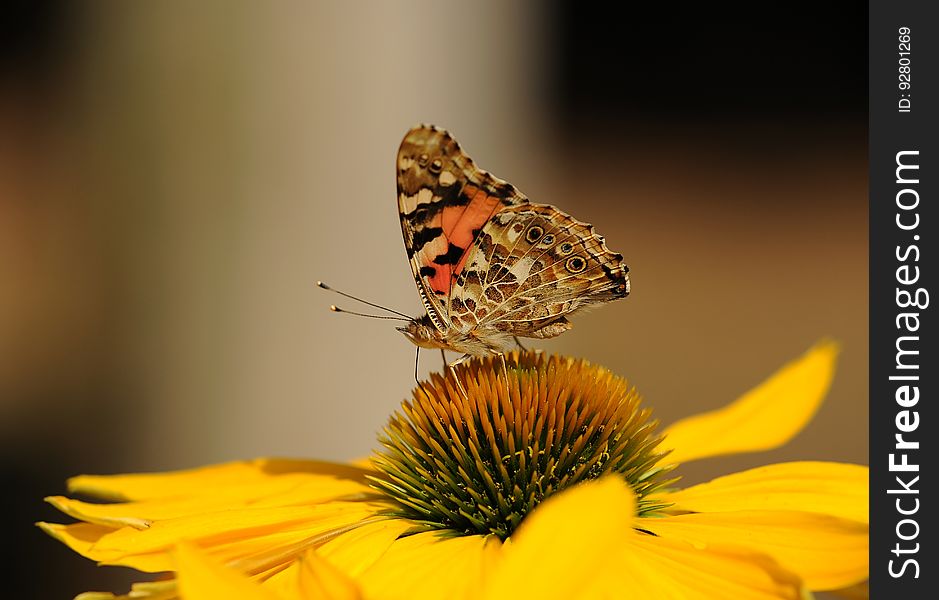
827	552
114	516
836	489
82	538
766	417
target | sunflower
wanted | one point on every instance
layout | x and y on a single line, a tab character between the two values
552	483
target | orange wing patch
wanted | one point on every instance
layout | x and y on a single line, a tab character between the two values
461	224
447	253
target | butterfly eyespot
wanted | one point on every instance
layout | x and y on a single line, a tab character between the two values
575	264
534	234
422	160
436	165
547	240
566	248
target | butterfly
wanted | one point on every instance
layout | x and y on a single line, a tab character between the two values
490	265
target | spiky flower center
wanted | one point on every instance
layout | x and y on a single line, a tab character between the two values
478	464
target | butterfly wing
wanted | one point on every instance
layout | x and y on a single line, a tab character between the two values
532	265
444	202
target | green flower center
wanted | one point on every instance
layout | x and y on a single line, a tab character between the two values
478	464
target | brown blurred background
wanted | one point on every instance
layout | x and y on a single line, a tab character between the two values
174	177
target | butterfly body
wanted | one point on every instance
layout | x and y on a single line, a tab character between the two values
482	340
489	264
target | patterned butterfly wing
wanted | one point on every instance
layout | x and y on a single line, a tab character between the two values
533	265
444	202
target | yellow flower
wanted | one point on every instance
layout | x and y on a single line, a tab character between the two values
553	485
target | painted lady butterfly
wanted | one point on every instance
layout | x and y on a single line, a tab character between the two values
491	266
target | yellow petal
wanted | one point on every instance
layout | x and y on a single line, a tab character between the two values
319	579
228	535
218	527
351	551
243	475
200	578
564	542
826	552
142	590
113	516
655	567
357	550
427	566
835	489
154	590
82	538
766	417
581	544
287	490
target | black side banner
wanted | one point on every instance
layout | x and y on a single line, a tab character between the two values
904	154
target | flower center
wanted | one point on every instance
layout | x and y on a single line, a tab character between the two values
478	464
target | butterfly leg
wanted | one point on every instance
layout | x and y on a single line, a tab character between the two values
417	359
443	356
518	342
452	367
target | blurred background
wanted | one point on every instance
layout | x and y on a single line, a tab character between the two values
174	178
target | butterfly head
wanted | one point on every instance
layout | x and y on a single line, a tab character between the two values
422	332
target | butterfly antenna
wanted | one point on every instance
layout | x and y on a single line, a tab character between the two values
336	309
351	297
